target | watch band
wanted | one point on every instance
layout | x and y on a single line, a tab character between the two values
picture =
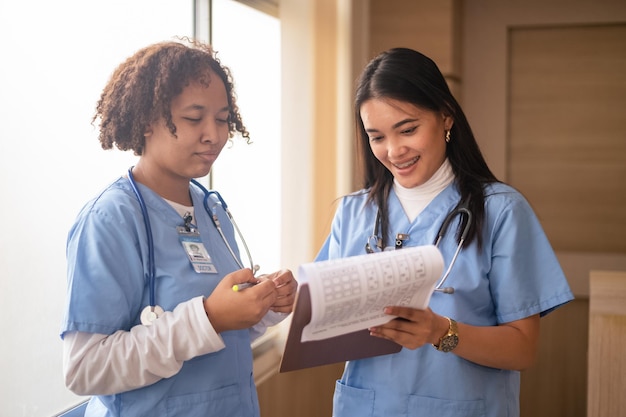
449	341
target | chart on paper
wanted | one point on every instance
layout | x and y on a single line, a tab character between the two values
349	294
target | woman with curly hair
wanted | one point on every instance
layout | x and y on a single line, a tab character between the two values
149	329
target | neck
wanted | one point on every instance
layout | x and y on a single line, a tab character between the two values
414	200
171	188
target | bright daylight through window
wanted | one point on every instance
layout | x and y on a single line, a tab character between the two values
249	176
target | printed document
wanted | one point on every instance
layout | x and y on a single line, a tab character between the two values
349	294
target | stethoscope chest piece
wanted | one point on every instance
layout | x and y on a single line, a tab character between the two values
150	314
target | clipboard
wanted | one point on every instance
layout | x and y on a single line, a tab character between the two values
299	355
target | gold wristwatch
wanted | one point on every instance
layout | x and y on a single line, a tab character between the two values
448	342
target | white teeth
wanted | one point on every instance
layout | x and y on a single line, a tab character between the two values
407	164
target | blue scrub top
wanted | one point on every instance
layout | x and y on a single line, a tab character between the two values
107	253
515	275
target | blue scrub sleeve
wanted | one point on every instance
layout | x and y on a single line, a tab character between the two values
524	267
105	272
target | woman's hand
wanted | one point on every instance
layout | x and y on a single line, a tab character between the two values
233	310
513	345
287	287
412	328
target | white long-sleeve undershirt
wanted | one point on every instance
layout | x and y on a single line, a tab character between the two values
99	364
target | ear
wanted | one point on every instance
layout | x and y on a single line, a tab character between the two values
448	122
148	132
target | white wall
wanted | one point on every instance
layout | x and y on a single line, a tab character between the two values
56	57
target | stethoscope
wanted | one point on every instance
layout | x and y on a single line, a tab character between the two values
154	311
461	209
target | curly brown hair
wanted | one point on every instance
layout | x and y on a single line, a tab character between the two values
141	90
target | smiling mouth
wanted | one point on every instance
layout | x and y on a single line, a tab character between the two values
407	164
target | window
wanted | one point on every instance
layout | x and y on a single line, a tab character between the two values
249	175
57	57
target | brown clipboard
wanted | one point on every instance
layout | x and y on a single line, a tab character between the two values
351	346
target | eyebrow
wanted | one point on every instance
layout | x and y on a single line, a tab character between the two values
200	107
395	125
403	122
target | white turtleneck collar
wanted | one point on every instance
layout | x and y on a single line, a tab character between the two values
415	199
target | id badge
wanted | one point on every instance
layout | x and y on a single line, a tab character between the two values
195	250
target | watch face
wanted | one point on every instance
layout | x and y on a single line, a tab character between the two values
448	343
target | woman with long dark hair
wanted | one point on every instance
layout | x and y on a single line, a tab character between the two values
462	355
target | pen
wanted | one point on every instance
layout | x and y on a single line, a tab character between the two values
243	286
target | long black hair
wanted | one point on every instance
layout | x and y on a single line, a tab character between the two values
406	75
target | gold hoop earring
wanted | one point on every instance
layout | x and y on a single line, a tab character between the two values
447	136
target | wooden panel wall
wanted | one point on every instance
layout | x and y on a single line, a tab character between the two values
567	143
607	344
556	384
430	27
567	154
304	393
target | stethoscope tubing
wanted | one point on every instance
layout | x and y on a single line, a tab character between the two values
214	218
146	219
461	209
442	231
218	226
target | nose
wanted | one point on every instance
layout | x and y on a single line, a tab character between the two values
210	131
395	147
